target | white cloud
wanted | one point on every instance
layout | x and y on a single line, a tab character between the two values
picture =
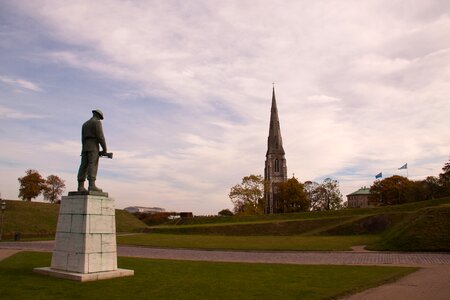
361	86
9	113
20	83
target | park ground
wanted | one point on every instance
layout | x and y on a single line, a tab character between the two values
431	281
253	254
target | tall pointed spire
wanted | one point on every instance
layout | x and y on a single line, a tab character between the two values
274	141
275	171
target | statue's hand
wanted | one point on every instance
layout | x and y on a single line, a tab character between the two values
102	153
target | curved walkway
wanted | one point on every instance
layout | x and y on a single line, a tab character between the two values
283	257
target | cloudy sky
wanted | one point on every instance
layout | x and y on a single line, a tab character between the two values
362	87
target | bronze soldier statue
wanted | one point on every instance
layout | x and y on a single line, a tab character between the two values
91	137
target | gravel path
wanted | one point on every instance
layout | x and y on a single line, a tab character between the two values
291	257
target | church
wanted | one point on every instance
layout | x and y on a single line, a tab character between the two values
275	171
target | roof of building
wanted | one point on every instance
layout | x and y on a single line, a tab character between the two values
362	191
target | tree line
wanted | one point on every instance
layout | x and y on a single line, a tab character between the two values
33	184
398	189
293	196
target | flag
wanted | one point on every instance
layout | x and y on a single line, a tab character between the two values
379	175
405	166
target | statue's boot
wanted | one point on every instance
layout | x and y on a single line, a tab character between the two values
92	186
81	186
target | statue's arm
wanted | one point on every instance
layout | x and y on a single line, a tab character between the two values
101	137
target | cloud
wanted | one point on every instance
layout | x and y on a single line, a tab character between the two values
361	86
20	83
9	113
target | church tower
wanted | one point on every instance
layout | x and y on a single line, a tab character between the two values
275	171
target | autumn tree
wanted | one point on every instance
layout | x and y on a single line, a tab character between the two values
292	197
391	190
247	197
431	187
53	188
31	185
327	195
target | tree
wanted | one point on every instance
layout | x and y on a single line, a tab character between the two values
444	180
292	197
430	187
311	191
53	188
392	190
247	197
445	176
31	185
328	196
225	213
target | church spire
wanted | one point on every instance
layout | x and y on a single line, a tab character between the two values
275	170
274	141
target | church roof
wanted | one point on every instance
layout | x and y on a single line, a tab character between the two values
274	141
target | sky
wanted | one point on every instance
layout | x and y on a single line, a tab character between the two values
362	87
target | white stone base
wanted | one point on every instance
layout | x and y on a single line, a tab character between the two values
84	277
85	241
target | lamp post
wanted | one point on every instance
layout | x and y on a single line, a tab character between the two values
2	207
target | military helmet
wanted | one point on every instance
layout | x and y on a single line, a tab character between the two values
99	112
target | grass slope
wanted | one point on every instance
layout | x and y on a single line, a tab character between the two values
166	279
268	242
426	230
37	219
408	207
418	226
293	227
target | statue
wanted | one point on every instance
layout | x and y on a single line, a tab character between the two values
91	137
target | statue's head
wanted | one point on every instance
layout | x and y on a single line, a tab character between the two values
98	113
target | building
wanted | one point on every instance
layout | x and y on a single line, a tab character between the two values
142	209
275	171
359	199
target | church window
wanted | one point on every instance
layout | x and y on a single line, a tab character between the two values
277	165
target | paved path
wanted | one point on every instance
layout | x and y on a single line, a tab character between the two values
4	253
288	257
430	282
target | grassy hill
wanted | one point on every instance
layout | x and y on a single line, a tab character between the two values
418	226
37	219
409	207
426	230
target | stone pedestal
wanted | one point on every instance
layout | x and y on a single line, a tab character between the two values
85	242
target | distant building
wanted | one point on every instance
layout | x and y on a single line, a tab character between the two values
275	171
186	214
359	199
142	209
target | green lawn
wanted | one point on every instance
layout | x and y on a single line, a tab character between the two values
247	242
167	279
426	230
